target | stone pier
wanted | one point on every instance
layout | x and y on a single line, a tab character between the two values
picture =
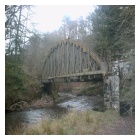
112	87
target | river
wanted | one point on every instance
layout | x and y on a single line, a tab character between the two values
66	102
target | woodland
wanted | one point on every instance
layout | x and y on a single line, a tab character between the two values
109	30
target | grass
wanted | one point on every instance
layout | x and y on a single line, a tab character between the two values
73	123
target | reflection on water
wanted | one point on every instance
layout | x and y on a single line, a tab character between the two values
79	103
66	102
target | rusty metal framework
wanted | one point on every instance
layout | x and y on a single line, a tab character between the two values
72	59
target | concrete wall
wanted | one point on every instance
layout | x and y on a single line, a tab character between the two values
112	83
111	92
111	87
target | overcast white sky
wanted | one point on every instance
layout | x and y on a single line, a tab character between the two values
49	17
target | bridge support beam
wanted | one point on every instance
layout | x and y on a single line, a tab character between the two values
47	88
112	89
111	92
50	89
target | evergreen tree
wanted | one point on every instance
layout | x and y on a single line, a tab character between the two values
113	33
113	30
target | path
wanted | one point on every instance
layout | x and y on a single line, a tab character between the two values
122	126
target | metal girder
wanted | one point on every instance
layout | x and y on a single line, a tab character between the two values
72	58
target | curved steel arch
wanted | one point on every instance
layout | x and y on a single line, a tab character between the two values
71	58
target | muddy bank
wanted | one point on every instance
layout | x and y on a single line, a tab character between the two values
45	101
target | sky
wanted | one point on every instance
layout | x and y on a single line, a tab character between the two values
49	18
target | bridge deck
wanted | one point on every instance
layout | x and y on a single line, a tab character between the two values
78	77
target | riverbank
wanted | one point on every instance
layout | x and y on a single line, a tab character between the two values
45	101
70	115
78	123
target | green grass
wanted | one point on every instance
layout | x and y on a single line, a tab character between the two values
73	123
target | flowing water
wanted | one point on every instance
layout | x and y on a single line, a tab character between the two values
66	102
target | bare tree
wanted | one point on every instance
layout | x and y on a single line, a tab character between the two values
15	28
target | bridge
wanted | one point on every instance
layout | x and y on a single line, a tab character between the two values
72	61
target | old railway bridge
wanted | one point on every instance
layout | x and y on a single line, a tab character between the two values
71	61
